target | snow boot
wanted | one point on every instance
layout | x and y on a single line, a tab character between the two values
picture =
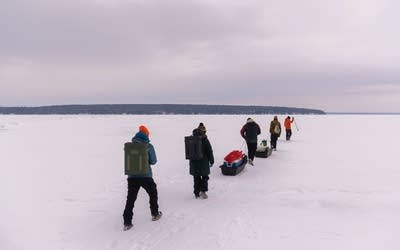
127	227
156	217
203	195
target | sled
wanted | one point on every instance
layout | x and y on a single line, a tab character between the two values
234	163
263	151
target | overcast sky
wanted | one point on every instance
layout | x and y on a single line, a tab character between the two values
340	55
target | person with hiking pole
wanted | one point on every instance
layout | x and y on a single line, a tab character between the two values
288	127
249	132
143	179
275	130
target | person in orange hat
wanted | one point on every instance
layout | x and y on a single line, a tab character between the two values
135	182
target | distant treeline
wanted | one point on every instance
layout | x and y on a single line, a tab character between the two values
155	109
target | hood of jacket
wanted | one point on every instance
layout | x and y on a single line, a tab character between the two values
141	137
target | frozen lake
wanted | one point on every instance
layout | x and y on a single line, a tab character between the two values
334	186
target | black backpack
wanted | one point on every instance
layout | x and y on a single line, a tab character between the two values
193	146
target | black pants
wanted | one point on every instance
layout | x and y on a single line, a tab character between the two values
288	134
134	185
251	148
200	184
274	139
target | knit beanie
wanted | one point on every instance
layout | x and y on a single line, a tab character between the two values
202	127
249	120
144	130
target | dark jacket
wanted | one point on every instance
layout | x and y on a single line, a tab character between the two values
250	131
202	167
142	138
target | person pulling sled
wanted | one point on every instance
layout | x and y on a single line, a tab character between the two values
249	132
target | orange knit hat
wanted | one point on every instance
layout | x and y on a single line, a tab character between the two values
144	130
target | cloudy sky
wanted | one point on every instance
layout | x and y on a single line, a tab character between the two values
341	55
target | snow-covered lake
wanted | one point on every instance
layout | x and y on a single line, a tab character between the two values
334	186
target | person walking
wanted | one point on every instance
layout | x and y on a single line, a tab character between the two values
275	130
143	180
288	127
200	169
249	132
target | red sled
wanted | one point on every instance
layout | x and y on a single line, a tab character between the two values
234	163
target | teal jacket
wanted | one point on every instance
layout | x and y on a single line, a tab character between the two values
142	138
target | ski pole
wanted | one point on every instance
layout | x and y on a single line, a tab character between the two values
241	147
296	125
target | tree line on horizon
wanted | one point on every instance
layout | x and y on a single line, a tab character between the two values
157	109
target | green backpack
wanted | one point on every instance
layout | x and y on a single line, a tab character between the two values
136	159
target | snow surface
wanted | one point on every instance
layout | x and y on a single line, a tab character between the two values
334	186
